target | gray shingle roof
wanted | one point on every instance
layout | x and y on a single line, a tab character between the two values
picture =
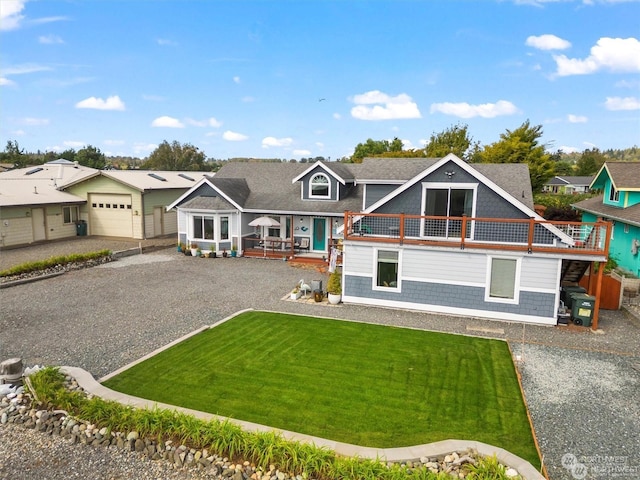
267	186
594	205
625	175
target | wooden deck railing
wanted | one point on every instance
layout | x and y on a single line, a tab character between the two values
531	235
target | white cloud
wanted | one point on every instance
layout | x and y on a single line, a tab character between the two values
248	99
485	110
73	144
142	148
547	42
111	103
165	42
276	142
168	122
209	122
577	118
19	70
302	153
234	136
114	143
619	103
612	54
10	14
50	40
236	79
18	133
567	149
385	107
34	122
337	116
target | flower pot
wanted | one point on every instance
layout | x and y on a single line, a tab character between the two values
194	252
234	253
295	295
335	299
318	296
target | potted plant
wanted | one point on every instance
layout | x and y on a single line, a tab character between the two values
224	252
212	250
179	247
194	249
296	293
334	287
198	252
234	250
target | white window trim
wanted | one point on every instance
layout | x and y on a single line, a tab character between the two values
217	226
321	197
374	280
516	288
71	208
447	186
613	192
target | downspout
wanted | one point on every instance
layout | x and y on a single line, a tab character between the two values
144	233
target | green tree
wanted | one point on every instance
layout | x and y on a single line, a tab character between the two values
14	155
522	146
90	156
68	154
176	156
454	139
375	148
590	162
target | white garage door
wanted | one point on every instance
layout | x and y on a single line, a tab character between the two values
110	215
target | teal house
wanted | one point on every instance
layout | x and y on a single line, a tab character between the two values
619	203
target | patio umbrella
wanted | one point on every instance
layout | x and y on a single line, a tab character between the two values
263	222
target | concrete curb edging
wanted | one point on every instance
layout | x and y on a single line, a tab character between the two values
445	447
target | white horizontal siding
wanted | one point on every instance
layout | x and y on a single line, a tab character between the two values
540	273
359	260
448	267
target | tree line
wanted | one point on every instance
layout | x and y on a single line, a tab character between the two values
521	145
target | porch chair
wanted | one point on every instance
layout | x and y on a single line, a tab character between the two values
304	244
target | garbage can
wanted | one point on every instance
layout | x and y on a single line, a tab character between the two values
567	291
81	228
582	309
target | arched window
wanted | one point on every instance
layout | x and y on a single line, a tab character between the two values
319	186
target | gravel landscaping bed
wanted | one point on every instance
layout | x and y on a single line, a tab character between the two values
582	388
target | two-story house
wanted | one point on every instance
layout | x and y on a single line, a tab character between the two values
437	235
620	204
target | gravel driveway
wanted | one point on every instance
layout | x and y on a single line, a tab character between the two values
583	388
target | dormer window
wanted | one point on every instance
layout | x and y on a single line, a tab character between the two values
319	187
614	195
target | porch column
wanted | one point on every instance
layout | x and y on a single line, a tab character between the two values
596	307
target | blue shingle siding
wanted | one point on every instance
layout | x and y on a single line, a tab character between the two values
455	296
376	192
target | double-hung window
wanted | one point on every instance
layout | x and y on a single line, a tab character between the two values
503	279
387	269
70	214
450	201
614	195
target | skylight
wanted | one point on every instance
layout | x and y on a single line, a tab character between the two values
183	175
157	177
34	170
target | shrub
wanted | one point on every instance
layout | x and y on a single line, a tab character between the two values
53	261
334	285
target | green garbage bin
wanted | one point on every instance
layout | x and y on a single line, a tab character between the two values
567	292
582	309
81	228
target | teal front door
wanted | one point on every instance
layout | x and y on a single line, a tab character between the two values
319	235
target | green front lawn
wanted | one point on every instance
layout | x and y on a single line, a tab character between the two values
363	384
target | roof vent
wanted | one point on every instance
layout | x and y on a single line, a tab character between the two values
184	175
35	189
34	170
157	177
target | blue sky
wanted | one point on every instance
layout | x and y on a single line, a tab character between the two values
292	79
